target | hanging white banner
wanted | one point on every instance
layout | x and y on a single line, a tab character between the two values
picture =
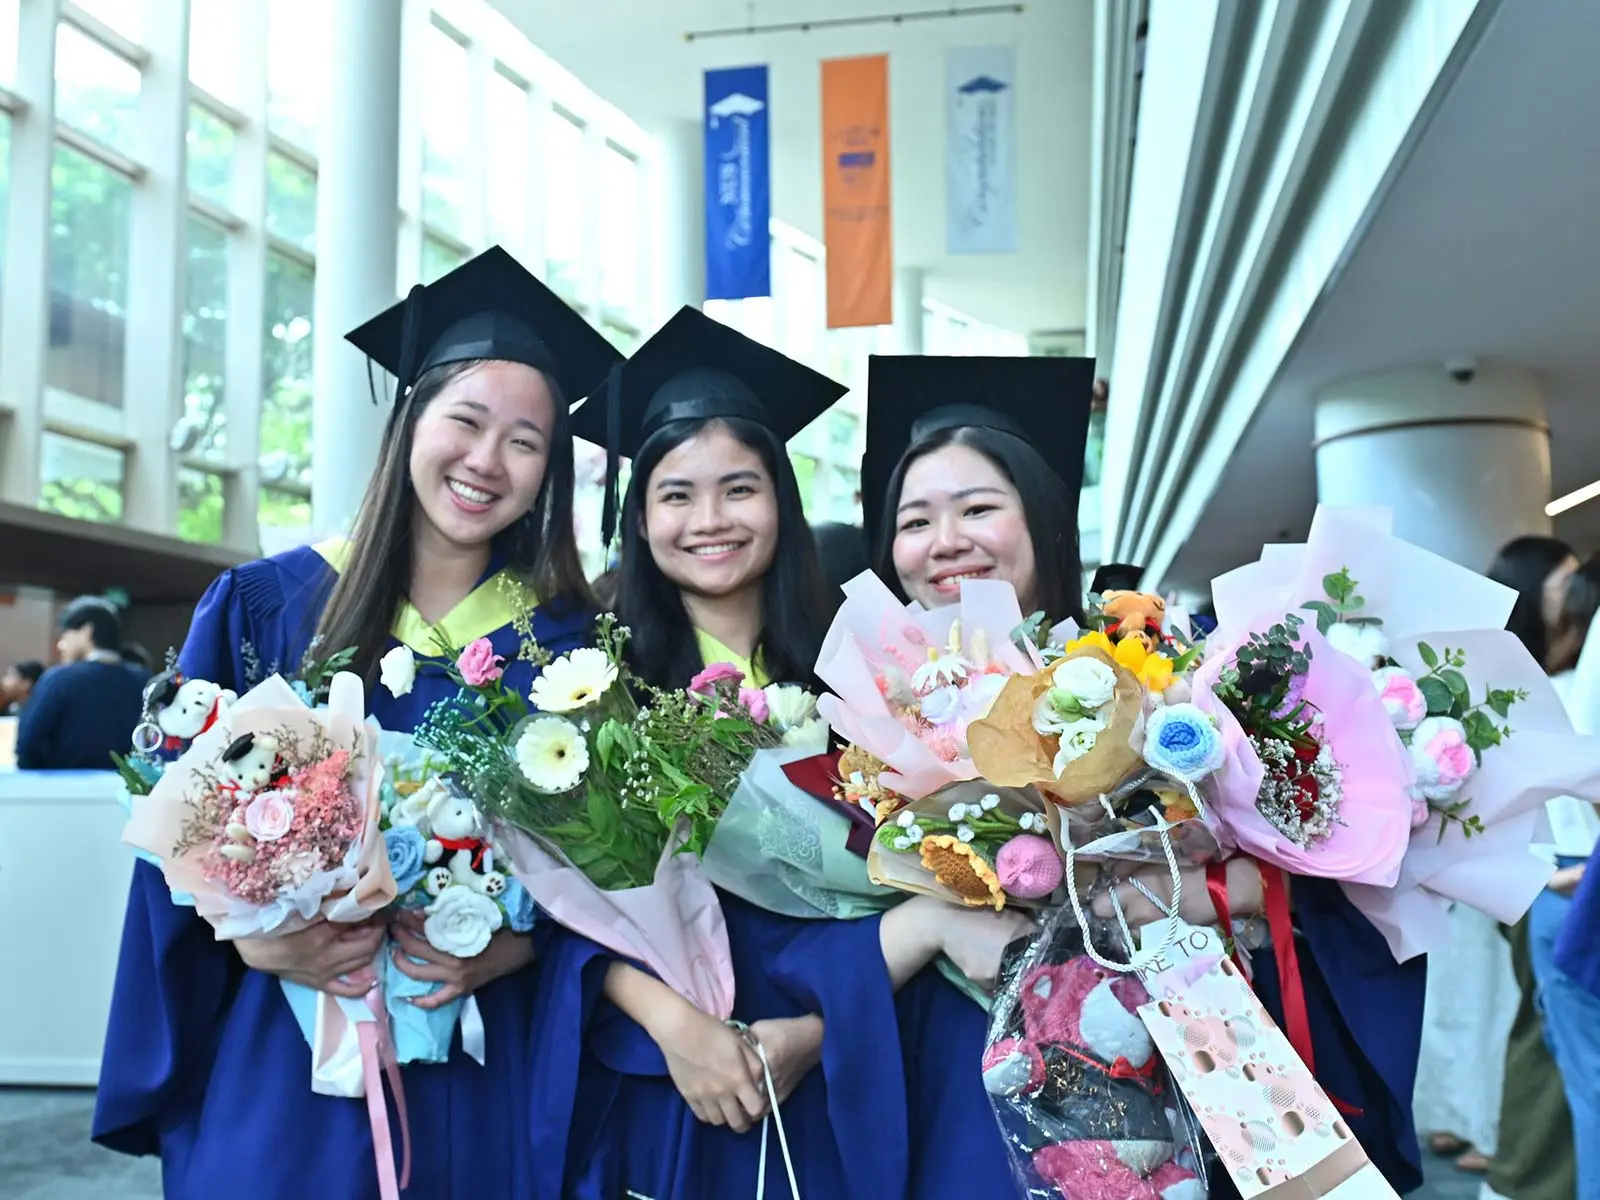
980	150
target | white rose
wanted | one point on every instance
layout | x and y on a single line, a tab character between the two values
397	670
1089	679
461	922
1364	643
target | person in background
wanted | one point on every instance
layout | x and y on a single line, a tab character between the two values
843	552
1570	1010
17	684
1535	1158
83	711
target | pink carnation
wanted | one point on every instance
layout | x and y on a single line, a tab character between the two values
754	701
479	664
704	683
1402	698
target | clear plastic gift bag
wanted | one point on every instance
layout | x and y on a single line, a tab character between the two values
1083	1098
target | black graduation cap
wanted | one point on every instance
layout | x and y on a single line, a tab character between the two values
696	368
1116	577
1043	401
488	307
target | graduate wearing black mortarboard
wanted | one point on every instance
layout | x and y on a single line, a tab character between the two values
718	564
205	1063
972	470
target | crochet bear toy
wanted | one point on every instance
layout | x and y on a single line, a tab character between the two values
1082	1075
1139	615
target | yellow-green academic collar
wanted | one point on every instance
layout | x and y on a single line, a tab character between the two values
488	607
713	651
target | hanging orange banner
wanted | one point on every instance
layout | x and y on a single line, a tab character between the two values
855	191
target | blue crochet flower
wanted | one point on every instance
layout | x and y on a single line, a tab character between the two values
406	847
1181	741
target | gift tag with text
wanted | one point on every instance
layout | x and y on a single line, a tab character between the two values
1278	1135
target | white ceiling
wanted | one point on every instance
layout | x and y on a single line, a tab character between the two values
1486	246
633	54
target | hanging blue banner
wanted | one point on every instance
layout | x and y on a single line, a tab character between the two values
738	185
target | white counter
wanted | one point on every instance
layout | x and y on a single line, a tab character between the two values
64	874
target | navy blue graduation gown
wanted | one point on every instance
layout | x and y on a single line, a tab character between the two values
608	1122
204	1063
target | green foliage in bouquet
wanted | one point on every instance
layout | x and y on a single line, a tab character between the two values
595	763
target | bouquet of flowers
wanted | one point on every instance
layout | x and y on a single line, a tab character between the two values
443	857
1477	733
607	791
266	822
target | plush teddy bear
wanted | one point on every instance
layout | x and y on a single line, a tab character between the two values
1134	615
457	828
249	763
184	708
1083	1070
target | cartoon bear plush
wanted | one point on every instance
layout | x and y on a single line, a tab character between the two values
249	763
457	844
184	708
1134	614
1083	1069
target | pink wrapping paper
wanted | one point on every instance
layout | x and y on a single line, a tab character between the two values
873	629
675	926
1375	769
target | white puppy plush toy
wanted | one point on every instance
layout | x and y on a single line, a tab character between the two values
184	708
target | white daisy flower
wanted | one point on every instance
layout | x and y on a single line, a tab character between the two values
552	754
573	681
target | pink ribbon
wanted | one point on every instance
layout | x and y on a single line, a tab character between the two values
378	1058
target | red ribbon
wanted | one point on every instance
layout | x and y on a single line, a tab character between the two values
1291	985
1217	889
1120	1069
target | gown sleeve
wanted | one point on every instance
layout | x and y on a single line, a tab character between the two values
1578	946
173	979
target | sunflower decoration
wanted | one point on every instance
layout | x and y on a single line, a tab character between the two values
963	870
1152	668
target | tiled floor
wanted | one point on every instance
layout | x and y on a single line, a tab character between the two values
45	1154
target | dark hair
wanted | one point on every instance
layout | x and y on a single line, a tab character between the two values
1582	598
541	545
1048	505
98	613
29	669
1523	564
794	604
843	553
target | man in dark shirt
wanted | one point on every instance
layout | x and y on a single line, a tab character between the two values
85	709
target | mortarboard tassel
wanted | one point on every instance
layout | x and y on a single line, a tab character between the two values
608	512
411	331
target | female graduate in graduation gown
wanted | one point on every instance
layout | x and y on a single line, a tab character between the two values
654	1097
956	490
204	1062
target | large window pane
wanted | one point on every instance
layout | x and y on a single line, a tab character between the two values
96	91
509	161
89	211
124	16
563	204
205	338
80	479
8	42
446	126
210	156
298	67
214	47
619	216
200	506
291	201
286	392
438	259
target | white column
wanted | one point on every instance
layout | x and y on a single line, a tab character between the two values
1463	459
157	275
680	199
908	310
357	231
25	329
